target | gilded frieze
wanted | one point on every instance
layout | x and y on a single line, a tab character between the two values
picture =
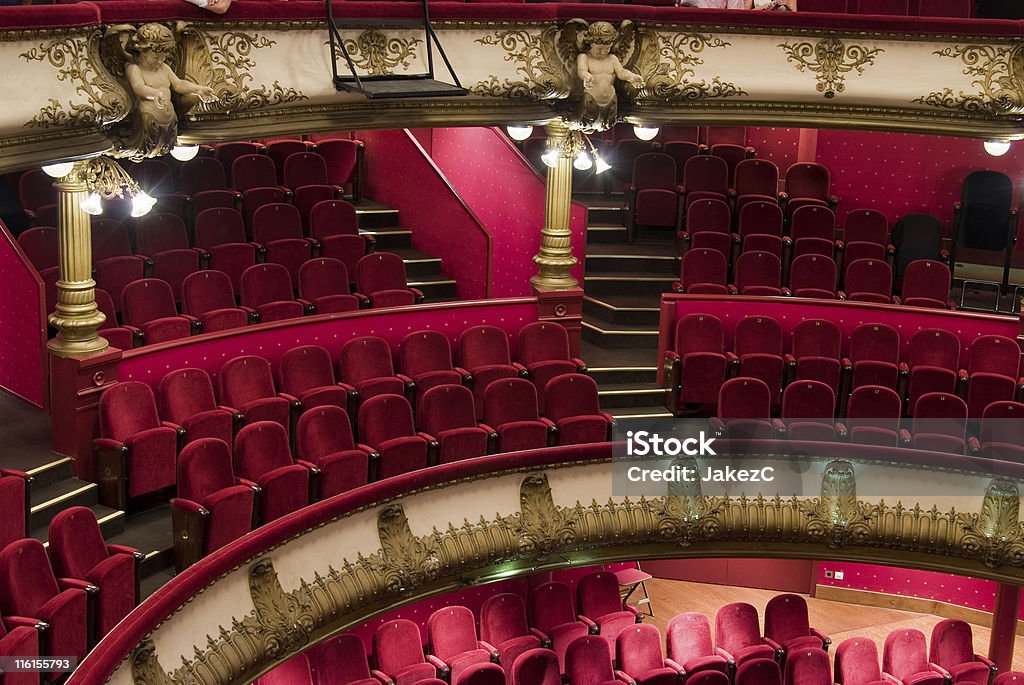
996	70
375	53
830	60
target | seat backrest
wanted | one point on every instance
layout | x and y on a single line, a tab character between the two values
105	303
571	394
244	379
508	400
757	335
866	225
423	351
905	653
503	617
380	271
542	341
322	277
736	626
808	667
221	198
897	7
483	346
813	221
219	226
857	662
699	333
597	594
744	398
703	265
951	644
588	661
934	347
397	644
1003	422
304	169
304	368
127	408
757	177
322	431
26	578
156	233
76	543
817	338
916	236
654	170
688	635
536	667
228	152
708	678
451	631
785	616
806	400
146	300
384	417
445	407
253	171
680	151
760	217
35	189
927	278
551	605
342	661
206	290
483	673
876	342
878	405
333	217
276	221
638	649
708	214
261	447
995	354
945	8
40	245
706	173
185	393
264	283
758	268
808	179
813	271
364	358
759	672
342	159
202	173
940	412
109	239
295	671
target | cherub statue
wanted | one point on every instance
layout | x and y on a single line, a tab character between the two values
598	66
152	81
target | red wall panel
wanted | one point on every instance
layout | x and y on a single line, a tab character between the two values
22	324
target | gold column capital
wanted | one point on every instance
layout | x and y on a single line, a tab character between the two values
555	258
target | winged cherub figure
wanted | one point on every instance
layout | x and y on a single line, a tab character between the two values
598	66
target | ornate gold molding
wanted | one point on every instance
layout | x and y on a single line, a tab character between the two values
667	61
830	60
998	72
375	53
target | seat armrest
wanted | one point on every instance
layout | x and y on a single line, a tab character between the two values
732	289
671	355
985	660
674	666
442	667
780	432
77	584
786	292
825	639
904	437
940	670
717	427
417	295
973	446
904	369
521	370
308	464
592	627
724	654
783	196
382	677
677	287
842	432
545	641
623	676
891	679
122	549
292	399
15	472
840	294
773	644
490	649
249	484
13	622
581	366
188	506
896	299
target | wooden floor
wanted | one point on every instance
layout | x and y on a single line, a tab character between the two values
838	620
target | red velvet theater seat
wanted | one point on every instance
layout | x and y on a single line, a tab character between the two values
255	199
933	362
262	456
544	351
510	408
758	672
324	282
398	651
278	227
905	657
386	425
343	661
993	372
812	275
787	627
295	671
78	551
697	366
40	245
639	657
452	643
1001	435
426	358
223	198
757	343
267	288
213	507
114	265
926	283
708	678
758	273
14	503
708	226
503	624
280	150
246	385
573	405
381	277
334	225
873	416
227	153
29	594
308	374
21	642
757	180
253	171
744	408
856	662
552	613
738	634
344	159
761	223
324	438
808	666
484	351
681	151
588	661
705	177
600	606
187	399
535	667
202	173
688	643
703	271
305	168
896	7
221	232
733	154
447	413
808	183
209	296
485	673
148	305
807	411
35	190
365	364
868	280
136	451
940	422
163	239
652	199
812	231
945	8
121	337
874	356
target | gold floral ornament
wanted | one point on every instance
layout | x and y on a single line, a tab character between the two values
377	55
998	73
668	63
140	56
830	60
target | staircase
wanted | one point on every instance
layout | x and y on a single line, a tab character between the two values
621	308
422	270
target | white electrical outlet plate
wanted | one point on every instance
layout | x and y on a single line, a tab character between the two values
839	575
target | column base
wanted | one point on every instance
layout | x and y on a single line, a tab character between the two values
76	348
563	306
554	282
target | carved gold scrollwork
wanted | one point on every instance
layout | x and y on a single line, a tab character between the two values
376	54
543	527
667	63
539	60
830	60
286	620
146	668
994	536
405	560
997	71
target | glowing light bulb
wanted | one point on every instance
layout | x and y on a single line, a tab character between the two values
184	153
582	161
601	165
550	158
519	132
141	204
997	148
92	204
58	170
645	132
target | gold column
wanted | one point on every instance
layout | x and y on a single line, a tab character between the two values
555	257
76	317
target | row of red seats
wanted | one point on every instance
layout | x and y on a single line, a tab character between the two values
914	8
699	363
61	600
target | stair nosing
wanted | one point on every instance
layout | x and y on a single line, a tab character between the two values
628	391
615	331
608	305
610	369
630	276
47	467
61	498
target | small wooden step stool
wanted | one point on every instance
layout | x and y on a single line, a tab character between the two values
629	580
